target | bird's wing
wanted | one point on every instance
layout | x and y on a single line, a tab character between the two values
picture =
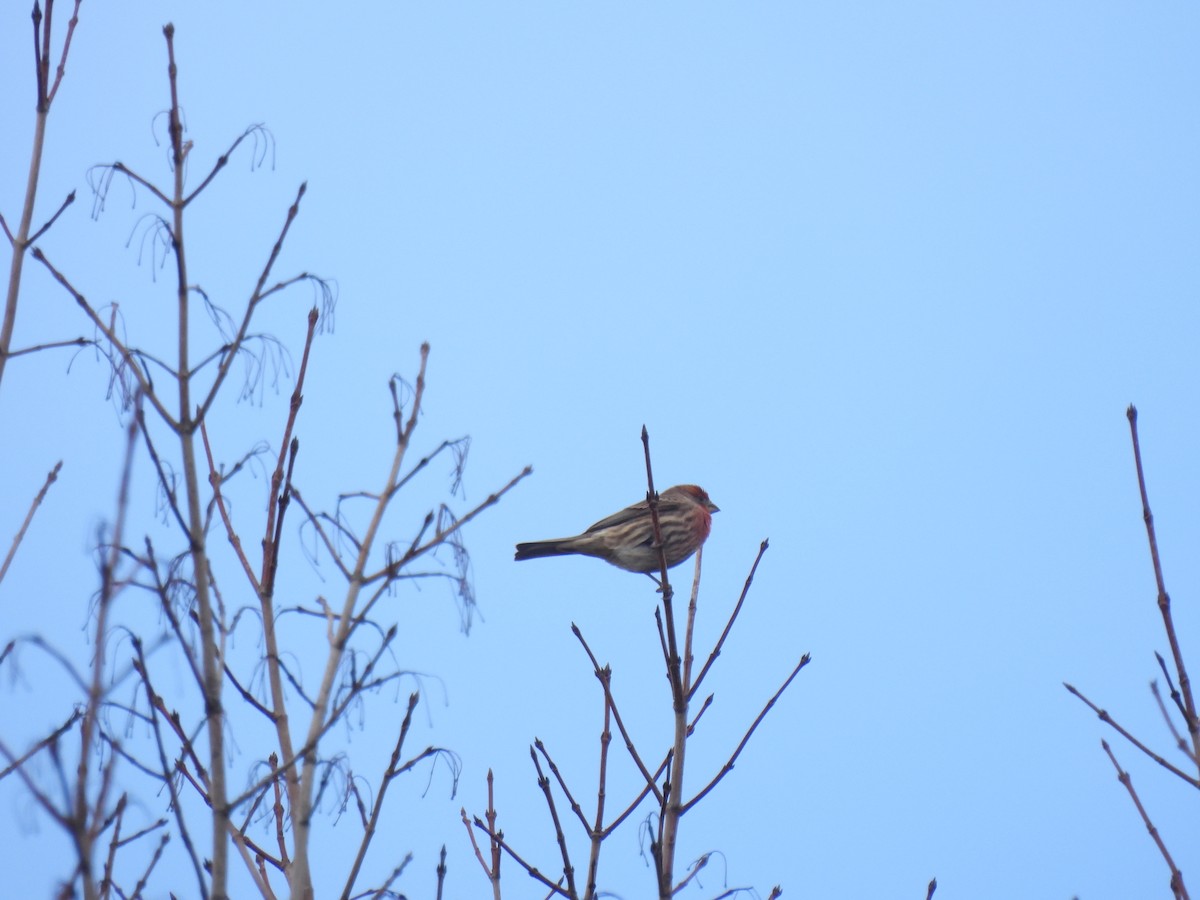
633	512
620	518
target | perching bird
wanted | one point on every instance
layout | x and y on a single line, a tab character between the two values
626	538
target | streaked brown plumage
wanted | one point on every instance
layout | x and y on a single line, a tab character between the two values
626	538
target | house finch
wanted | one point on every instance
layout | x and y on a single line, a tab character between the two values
626	539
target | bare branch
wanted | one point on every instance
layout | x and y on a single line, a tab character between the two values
693	871
1116	726
156	706
222	160
544	784
251	306
441	872
440	536
66	48
575	807
49	222
553	887
22	239
127	355
1177	885
214	479
384	888
120	167
596	832
33	508
1176	697
716	651
671	809
52	738
165	482
606	682
1164	601
1180	741
373	822
804	660
52	345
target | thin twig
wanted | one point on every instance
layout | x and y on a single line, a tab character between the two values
384	888
154	860
716	651
49	222
629	745
671	807
33	507
462	811
544	784
52	345
441	873
128	356
439	537
1116	726
388	776
22	239
532	870
118	818
1180	741
251	306
693	871
168	487
1191	718
492	872
1122	776
66	48
82	812
725	769
575	807
494	845
314	519
156	707
221	162
1176	698
215	479
596	833
18	761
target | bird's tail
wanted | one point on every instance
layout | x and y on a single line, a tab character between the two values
538	549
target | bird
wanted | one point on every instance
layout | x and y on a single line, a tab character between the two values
626	538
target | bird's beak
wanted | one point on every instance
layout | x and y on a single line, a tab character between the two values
712	507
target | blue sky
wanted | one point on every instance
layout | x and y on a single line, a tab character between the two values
881	277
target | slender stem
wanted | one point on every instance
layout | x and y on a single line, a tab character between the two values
716	651
210	647
1177	886
266	581
673	801
1192	720
45	98
33	507
81	822
597	830
343	626
21	238
377	808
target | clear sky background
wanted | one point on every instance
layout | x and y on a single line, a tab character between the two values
882	277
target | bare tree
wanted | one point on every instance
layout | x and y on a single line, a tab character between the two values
136	738
663	786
